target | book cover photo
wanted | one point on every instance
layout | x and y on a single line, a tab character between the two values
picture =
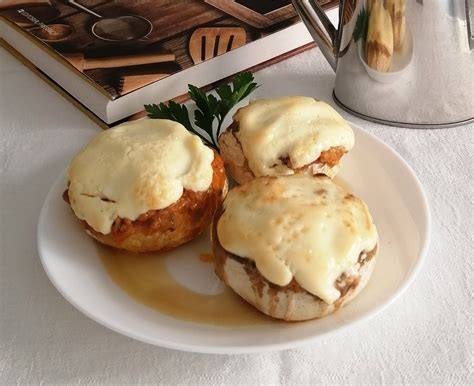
124	45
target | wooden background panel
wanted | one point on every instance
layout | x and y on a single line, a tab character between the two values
66	10
185	16
168	18
242	13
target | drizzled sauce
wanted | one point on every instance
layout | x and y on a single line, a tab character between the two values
146	279
206	258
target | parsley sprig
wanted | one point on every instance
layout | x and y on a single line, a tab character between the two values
208	107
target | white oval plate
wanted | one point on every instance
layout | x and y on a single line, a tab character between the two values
374	172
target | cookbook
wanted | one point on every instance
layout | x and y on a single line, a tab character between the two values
115	56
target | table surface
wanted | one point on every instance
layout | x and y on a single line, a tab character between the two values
426	336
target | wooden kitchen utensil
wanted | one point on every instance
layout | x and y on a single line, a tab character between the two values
132	79
85	63
55	33
207	43
121	81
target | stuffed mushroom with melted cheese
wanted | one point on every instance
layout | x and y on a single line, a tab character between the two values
146	185
284	136
296	247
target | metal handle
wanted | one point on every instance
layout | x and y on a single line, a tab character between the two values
470	22
322	30
80	7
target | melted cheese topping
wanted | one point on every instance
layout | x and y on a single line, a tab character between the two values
296	127
136	167
299	226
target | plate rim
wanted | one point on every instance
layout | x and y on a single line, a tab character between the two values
270	347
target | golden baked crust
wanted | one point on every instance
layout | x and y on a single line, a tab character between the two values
290	302
165	229
137	166
238	167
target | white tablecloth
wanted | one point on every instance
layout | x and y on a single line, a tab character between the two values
426	336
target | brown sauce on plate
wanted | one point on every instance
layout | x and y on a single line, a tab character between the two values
145	278
206	258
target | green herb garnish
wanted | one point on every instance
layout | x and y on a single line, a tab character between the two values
209	108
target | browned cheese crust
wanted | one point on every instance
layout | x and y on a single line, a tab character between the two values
266	295
238	167
165	229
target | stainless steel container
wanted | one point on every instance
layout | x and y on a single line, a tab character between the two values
400	62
